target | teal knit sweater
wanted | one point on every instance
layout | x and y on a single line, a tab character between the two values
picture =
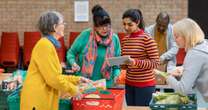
76	52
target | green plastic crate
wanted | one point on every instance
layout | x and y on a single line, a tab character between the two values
14	99
14	103
190	106
3	99
4	107
64	104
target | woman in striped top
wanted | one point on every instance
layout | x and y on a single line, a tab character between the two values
140	79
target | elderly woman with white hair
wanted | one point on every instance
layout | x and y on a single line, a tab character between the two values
194	76
44	78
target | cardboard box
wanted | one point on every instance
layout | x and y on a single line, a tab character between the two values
4	76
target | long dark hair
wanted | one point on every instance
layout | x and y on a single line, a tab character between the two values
100	16
135	15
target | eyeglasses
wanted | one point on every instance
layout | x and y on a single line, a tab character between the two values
107	26
63	23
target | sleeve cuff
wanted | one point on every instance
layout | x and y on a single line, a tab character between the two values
74	91
74	79
72	61
162	58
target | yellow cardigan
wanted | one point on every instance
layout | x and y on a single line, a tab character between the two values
44	79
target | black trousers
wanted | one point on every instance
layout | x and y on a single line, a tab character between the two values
136	96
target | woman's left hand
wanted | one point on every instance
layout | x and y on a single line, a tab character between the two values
131	61
177	72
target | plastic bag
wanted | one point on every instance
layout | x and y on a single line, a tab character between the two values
91	87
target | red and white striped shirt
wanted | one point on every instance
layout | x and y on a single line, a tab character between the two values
143	49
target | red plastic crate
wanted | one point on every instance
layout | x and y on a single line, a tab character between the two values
112	101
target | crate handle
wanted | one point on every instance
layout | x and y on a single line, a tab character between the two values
92	103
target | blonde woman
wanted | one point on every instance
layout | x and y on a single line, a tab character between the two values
194	77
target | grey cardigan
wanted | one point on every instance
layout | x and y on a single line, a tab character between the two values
195	74
170	55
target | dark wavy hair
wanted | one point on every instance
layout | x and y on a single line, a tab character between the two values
135	15
100	16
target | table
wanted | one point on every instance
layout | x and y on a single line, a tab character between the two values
147	108
136	108
163	86
4	75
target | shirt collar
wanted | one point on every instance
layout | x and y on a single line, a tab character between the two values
135	34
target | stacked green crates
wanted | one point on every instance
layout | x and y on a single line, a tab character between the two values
14	103
3	99
13	100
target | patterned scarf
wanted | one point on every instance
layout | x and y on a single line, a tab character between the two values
91	54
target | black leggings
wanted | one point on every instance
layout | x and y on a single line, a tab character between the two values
139	96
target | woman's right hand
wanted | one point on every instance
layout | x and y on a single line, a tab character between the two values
78	96
75	67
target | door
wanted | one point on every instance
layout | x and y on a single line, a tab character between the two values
197	10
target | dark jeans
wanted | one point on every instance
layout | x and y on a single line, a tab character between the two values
139	96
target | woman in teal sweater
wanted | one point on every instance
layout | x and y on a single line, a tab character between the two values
90	49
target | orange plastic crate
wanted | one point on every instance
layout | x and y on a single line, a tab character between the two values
112	101
122	77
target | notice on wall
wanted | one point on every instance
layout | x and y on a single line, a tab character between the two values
81	11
